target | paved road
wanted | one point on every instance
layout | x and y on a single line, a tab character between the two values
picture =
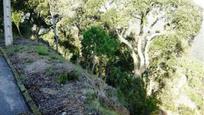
197	50
11	101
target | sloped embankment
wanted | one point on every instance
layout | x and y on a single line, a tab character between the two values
60	87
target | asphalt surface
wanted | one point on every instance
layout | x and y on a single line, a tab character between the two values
11	100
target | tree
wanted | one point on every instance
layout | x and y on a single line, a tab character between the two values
16	17
54	11
150	24
98	46
137	23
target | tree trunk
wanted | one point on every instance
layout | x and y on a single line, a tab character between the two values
100	70
141	58
108	71
140	48
93	67
136	64
147	44
7	23
95	61
19	31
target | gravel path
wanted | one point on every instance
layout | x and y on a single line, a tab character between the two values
11	101
197	50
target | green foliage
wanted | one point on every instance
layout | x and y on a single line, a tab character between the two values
56	57
42	50
17	48
98	41
99	46
16	17
166	49
70	76
194	70
132	93
168	73
43	8
92	6
69	37
187	20
186	111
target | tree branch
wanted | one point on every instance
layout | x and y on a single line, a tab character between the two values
140	50
142	24
123	40
136	16
156	21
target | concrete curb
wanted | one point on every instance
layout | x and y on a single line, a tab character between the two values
33	107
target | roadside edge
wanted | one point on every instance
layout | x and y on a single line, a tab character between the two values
33	107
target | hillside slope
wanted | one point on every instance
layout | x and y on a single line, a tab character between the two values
60	87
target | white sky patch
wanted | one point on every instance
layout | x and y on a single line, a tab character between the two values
199	3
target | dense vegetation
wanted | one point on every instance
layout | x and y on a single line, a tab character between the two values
133	45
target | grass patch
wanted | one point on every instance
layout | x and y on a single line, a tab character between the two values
71	76
17	48
93	105
42	50
55	56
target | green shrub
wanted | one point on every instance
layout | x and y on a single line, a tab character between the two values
99	41
42	50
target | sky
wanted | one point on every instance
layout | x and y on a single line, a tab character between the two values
199	3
